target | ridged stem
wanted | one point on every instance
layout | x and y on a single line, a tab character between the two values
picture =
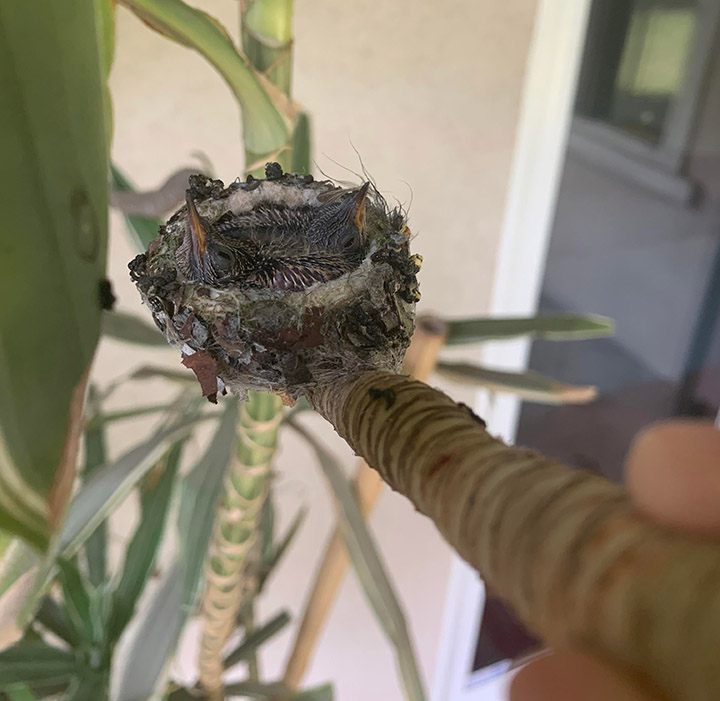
565	548
227	584
266	32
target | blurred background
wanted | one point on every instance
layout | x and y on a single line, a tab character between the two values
434	98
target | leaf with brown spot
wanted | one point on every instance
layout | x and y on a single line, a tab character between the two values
205	368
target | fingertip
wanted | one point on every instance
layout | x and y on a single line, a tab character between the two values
570	676
673	475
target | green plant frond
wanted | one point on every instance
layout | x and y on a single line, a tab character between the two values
131	329
142	549
55	202
159	630
556	327
267	118
324	692
30	661
141	675
255	639
529	386
55	618
141	230
369	568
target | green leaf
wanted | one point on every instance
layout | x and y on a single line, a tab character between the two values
100	420
95	456
155	639
92	686
105	23
158	634
302	144
151	372
35	661
557	327
142	230
530	386
18	559
253	641
18	571
369	568
256	690
54	231
265	115
111	484
324	692
77	602
142	550
20	692
201	491
56	620
270	560
131	329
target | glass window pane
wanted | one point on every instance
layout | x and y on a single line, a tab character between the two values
637	60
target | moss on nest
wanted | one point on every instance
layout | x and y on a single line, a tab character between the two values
288	342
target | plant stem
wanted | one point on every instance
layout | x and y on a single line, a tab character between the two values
419	362
563	547
227	584
266	31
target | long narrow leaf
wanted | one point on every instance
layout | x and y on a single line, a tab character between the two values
100	420
302	144
92	686
530	386
20	692
201	491
150	205
55	618
111	484
17	559
324	692
151	372
155	639
253	641
158	634
256	690
95	456
53	171
142	230
271	559
131	329
266	117
557	327
142	550
35	661
369	568
77	602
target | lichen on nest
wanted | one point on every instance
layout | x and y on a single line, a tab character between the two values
281	284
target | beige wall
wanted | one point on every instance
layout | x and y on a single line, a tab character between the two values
428	93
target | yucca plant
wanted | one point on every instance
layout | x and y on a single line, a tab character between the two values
69	609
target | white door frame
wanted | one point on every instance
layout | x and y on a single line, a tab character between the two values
544	126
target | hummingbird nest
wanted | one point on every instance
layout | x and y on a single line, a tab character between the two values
281	284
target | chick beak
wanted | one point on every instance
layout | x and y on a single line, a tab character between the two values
359	206
197	231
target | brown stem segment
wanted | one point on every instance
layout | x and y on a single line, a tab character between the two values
563	547
420	360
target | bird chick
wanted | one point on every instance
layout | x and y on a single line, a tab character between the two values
274	245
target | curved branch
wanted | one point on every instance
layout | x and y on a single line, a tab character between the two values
563	547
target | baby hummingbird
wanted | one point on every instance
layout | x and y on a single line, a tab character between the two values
276	243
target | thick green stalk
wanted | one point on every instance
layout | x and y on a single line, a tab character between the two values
228	578
266	30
